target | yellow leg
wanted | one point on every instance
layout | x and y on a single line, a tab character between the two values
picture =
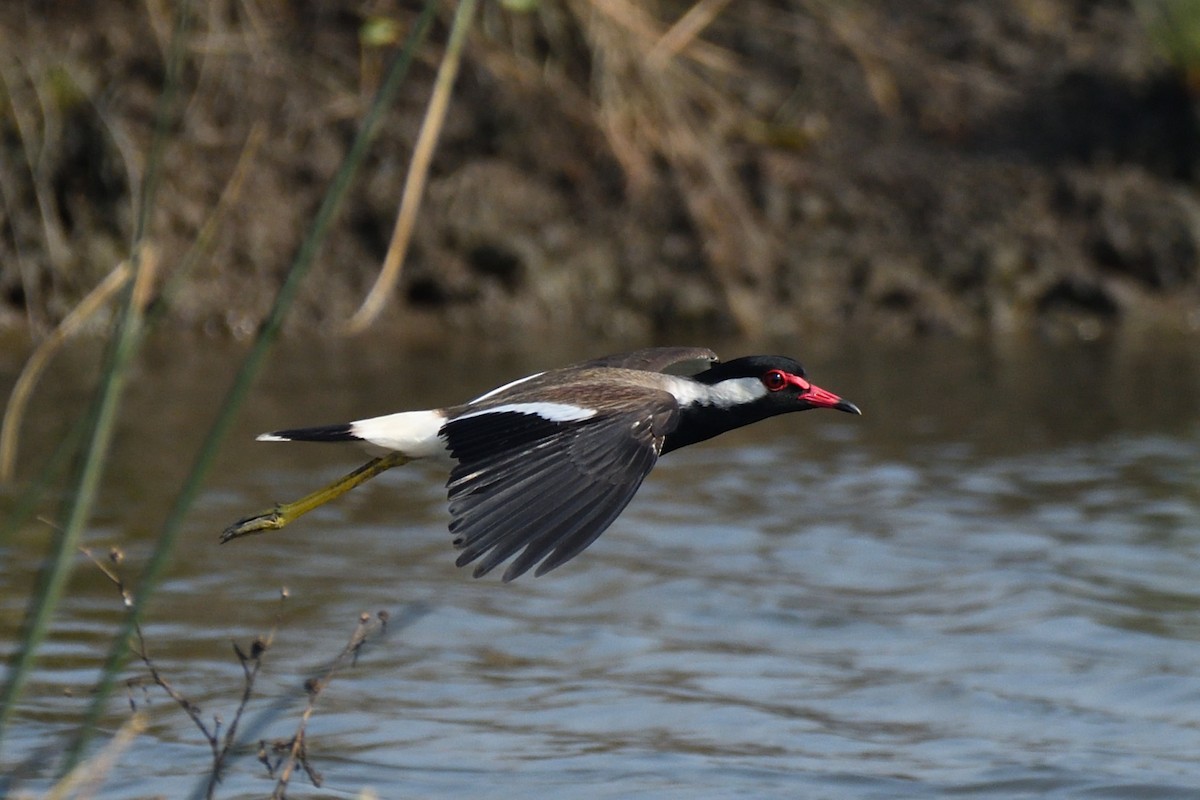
283	513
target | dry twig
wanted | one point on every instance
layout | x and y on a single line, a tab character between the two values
295	750
220	745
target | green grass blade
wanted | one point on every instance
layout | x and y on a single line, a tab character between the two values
98	437
305	255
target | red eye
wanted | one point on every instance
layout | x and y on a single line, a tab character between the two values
774	380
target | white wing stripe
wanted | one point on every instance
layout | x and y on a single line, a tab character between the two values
554	412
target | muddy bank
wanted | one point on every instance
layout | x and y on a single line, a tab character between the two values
907	167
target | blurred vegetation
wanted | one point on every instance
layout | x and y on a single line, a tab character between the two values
1173	27
624	169
89	444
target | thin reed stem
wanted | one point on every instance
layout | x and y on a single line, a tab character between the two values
301	263
418	172
98	435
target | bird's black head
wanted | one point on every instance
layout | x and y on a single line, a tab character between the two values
775	384
744	391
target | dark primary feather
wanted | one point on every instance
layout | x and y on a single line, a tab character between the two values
477	438
547	489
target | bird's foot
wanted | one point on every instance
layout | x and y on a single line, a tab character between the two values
271	520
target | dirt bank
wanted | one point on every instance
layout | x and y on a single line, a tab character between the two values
908	167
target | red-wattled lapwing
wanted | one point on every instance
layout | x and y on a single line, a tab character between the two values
544	464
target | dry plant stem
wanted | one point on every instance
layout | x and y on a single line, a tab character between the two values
685	31
284	513
56	570
12	197
14	413
85	778
643	28
219	745
418	172
36	149
206	455
654	104
208	233
858	28
296	748
101	420
230	195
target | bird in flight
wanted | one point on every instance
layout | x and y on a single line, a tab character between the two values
541	466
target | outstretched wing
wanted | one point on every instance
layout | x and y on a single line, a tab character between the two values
683	360
537	479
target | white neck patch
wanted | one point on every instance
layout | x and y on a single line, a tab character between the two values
726	394
554	412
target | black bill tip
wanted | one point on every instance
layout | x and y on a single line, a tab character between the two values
847	406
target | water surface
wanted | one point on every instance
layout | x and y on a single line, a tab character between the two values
985	587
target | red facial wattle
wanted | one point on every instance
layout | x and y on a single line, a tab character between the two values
818	397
